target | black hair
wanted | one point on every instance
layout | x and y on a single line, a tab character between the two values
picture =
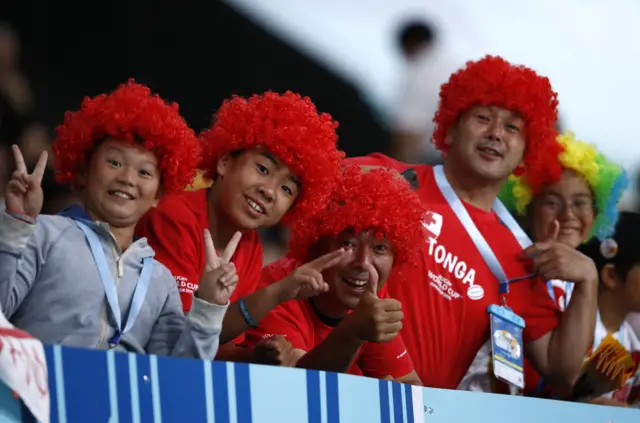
626	237
413	33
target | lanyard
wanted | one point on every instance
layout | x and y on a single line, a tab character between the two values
110	287
478	240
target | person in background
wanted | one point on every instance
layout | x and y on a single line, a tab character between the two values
121	151
427	65
580	205
350	326
270	157
495	118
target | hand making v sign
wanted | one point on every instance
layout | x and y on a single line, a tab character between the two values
24	191
219	278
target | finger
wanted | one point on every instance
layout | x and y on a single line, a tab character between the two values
227	276
231	282
392	328
552	233
542	259
389	304
393	316
19	160
387	337
17	186
231	247
210	251
25	179
372	286
41	166
535	249
328	260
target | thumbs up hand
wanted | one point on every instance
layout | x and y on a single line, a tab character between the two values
374	319
554	260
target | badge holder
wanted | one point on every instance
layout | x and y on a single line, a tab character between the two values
506	345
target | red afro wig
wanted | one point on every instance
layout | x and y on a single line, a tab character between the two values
288	126
378	200
133	114
494	81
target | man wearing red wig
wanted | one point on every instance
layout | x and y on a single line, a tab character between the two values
271	157
494	119
375	217
81	278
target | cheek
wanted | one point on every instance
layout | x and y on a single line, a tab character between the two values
149	189
587	224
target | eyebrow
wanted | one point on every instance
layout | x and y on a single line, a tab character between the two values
121	151
279	165
580	194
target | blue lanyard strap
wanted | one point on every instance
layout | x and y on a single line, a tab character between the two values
478	240
109	285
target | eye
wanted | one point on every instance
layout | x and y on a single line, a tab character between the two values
145	173
288	190
114	163
347	243
381	248
482	117
262	169
513	128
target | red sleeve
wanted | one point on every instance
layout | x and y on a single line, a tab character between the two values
173	232
379	360
531	300
376	159
248	261
288	320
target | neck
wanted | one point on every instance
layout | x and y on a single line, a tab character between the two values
220	226
329	307
123	235
612	311
472	189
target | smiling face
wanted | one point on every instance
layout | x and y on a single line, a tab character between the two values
487	142
571	203
121	184
256	189
349	279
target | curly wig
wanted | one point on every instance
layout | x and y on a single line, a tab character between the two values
376	200
133	114
492	81
288	126
606	179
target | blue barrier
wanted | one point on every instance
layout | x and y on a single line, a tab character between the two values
96	386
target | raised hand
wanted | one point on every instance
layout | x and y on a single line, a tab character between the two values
24	191
554	260
276	351
307	281
374	319
219	278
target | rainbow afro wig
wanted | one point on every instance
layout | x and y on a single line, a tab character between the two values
288	126
377	200
607	181
492	81
130	113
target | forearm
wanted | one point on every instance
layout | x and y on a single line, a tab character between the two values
258	304
570	341
235	353
335	354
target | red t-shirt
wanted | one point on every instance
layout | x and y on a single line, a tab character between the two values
445	298
299	323
175	230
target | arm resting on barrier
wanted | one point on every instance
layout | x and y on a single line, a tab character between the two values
336	353
558	355
196	336
21	256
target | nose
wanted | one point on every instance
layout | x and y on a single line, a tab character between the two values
496	131
268	189
567	212
127	175
362	257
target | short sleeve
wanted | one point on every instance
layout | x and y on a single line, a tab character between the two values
173	233
288	320
531	300
379	360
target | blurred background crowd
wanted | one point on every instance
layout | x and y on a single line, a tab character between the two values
375	65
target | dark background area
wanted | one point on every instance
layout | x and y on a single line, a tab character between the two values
194	52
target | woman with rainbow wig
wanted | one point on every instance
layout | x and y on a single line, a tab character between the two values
580	205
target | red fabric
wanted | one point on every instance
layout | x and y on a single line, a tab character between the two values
297	321
175	230
446	327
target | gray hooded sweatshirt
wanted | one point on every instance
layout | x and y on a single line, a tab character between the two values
50	287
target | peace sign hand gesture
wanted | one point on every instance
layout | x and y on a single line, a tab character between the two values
219	278
24	191
307	281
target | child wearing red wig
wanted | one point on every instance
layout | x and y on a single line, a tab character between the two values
80	278
494	119
348	328
272	157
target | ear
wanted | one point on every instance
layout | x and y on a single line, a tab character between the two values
224	164
609	277
451	133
